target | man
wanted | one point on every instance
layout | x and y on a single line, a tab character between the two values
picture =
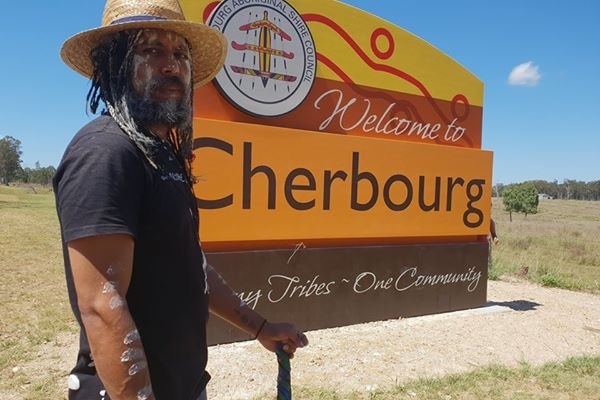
138	281
493	235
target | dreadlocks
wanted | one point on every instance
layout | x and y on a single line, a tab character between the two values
111	84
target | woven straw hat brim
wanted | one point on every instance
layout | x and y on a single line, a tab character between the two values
208	46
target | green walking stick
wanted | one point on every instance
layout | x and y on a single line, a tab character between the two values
284	382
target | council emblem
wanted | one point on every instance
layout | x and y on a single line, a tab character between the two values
271	60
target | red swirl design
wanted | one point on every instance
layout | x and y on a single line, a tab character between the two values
381	32
460	98
208	10
409	109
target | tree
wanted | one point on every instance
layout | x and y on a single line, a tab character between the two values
520	198
568	189
594	190
497	190
10	158
41	175
549	188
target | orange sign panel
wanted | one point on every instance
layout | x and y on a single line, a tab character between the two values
265	184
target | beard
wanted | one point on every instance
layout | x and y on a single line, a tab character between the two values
146	110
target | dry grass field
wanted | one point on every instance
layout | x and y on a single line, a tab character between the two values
559	246
33	305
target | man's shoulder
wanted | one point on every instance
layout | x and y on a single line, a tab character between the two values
102	125
99	141
101	145
101	133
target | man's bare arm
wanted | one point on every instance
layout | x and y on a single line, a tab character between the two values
225	304
102	267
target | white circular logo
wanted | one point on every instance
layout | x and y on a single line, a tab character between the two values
271	60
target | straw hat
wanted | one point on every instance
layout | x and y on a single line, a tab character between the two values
208	45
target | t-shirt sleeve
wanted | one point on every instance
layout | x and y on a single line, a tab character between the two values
99	186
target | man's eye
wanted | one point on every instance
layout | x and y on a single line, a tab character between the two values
182	56
151	50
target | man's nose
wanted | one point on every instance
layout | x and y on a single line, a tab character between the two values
171	65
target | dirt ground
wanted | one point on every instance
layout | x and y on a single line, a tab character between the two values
522	322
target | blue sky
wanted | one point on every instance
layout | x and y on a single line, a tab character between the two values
542	124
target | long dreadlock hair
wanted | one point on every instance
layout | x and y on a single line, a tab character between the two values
111	81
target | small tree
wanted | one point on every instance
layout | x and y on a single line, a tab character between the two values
41	175
520	198
10	158
530	199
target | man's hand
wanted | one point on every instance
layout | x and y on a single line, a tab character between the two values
273	334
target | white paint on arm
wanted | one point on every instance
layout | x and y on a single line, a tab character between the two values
137	367
116	302
132	336
132	354
145	393
109	287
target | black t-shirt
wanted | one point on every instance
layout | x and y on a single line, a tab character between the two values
105	185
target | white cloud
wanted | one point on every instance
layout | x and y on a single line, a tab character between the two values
525	74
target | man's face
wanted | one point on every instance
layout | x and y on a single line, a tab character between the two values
161	78
161	56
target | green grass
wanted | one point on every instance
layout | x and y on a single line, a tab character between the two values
557	247
575	378
33	302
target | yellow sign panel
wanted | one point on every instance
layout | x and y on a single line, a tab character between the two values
327	67
268	184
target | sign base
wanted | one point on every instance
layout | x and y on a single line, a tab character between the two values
317	288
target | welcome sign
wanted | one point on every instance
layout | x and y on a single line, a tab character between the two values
335	152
